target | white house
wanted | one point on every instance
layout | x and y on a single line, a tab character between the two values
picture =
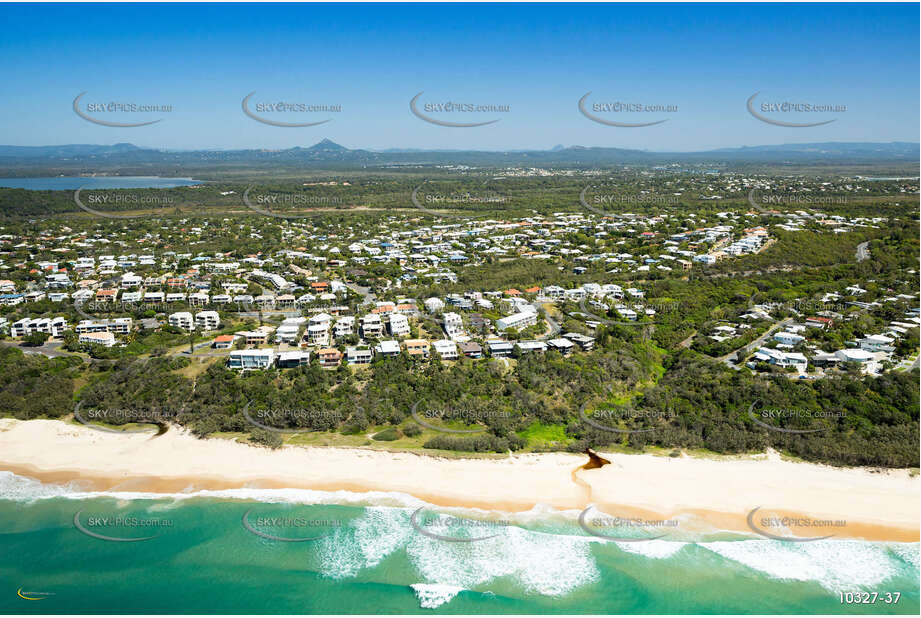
446	349
358	355
388	348
434	304
251	359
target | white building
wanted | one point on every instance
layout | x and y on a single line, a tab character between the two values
358	355
207	320
251	359
454	325
446	349
399	325
517	321
183	320
344	327
289	328
106	339
434	304
372	326
388	348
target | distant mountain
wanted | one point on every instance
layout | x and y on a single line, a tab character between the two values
326	154
326	145
69	150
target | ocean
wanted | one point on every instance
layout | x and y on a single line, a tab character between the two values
72	183
303	551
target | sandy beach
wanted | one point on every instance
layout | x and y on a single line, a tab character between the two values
702	493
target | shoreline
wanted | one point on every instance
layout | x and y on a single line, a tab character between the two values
704	495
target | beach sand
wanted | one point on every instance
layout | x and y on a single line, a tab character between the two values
703	494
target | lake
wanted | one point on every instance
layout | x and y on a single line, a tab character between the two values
72	183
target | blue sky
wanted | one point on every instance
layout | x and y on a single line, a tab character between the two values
538	59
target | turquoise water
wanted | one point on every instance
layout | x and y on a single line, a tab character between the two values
365	556
72	183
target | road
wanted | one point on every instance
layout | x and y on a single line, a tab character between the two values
367	295
51	349
862	252
757	343
554	325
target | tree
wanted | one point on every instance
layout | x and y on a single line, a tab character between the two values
36	339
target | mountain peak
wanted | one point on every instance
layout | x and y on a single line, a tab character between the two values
327	145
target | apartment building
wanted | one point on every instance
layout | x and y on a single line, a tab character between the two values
26	326
453	325
207	320
372	326
399	325
119	326
517	321
106	339
344	327
183	320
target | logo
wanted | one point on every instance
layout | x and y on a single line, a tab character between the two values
466	415
445	522
787	107
622	414
622	107
284	107
786	413
788	522
288	522
121	416
487	197
33	596
617	522
122	522
117	107
451	107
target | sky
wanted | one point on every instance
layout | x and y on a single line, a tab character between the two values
536	60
